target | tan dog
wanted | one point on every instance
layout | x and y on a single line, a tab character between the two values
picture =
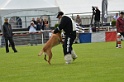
54	40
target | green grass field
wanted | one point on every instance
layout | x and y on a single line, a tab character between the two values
96	62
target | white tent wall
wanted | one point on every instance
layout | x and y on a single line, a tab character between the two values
30	13
9	8
21	8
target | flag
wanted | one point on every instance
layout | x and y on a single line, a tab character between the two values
104	10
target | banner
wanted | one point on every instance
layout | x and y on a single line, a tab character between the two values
104	10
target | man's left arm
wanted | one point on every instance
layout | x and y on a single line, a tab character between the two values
61	25
11	29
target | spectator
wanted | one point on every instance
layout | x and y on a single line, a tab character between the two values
8	35
96	12
116	16
42	24
120	24
66	24
45	22
33	19
39	24
32	32
47	30
78	20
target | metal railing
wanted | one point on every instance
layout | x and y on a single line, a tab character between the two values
23	37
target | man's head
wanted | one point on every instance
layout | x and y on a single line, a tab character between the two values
97	8
33	19
6	20
59	15
121	14
116	14
78	16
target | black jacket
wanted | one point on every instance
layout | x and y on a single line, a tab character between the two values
97	15
66	25
7	30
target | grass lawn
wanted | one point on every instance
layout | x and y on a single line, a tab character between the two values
96	62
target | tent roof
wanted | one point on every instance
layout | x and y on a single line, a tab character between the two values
81	6
14	7
26	4
67	6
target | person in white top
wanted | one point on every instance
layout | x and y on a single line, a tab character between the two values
32	32
116	16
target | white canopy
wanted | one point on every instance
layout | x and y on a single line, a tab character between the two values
13	7
9	8
83	6
26	4
67	6
31	8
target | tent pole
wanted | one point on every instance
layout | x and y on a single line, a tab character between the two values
25	22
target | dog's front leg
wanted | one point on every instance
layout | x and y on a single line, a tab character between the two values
49	56
41	52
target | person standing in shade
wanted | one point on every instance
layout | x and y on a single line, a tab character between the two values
8	35
66	24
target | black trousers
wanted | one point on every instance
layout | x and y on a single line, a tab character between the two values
96	24
68	42
11	43
122	34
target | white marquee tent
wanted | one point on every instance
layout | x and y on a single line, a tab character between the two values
82	6
68	6
51	7
8	7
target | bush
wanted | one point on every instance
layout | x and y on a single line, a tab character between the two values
56	25
114	23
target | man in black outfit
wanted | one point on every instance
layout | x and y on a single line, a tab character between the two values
8	35
97	17
66	23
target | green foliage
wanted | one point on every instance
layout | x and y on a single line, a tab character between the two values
56	25
114	23
96	62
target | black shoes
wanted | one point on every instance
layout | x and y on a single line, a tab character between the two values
7	51
15	51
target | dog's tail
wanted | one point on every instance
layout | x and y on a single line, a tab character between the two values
41	52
